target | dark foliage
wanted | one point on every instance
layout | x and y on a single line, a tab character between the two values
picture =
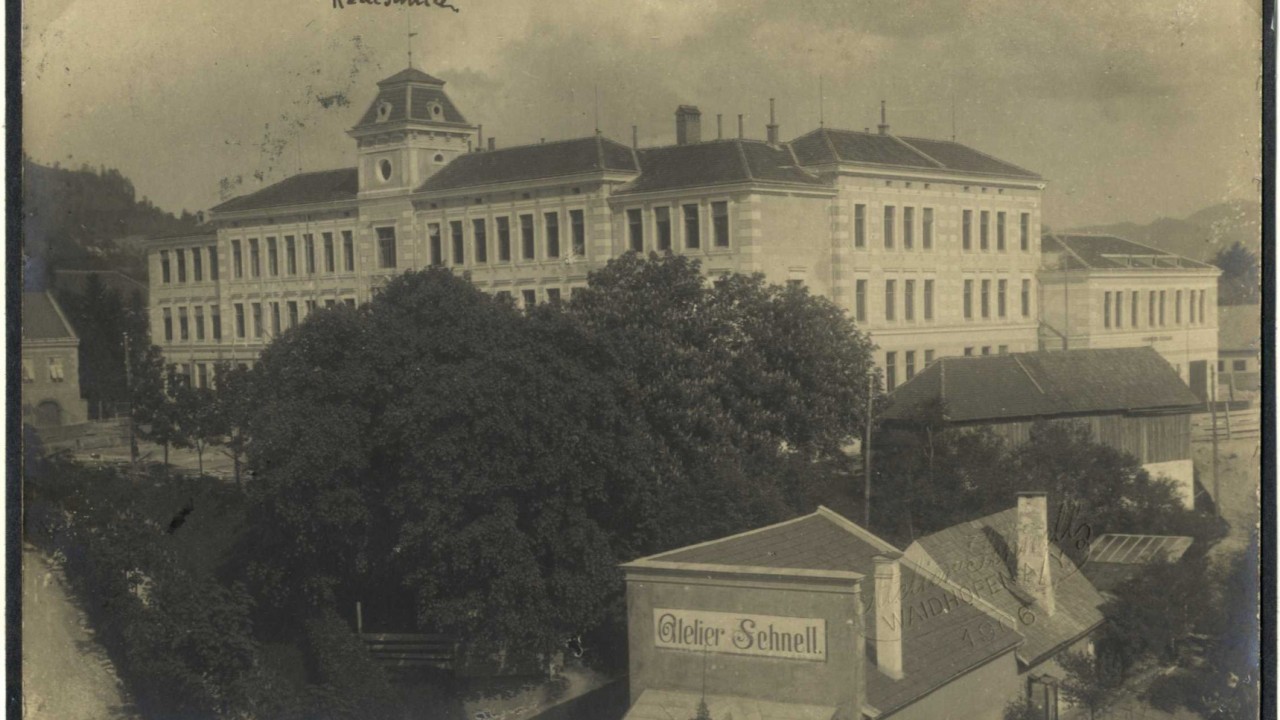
1239	284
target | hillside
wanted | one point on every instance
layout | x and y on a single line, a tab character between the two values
85	219
1199	236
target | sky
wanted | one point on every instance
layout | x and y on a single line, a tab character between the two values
1131	109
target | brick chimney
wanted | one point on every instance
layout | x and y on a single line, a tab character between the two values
1032	552
771	130
688	125
888	614
884	124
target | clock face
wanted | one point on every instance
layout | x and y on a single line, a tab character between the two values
384	169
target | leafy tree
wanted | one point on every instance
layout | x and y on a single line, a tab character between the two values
234	400
1239	284
151	405
1152	614
197	419
1087	683
1023	709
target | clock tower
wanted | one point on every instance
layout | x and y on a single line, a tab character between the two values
411	130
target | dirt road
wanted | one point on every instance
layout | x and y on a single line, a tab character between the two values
65	674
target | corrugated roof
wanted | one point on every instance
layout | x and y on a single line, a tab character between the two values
1240	327
935	646
302	189
717	162
978	556
1044	384
1108	252
532	162
827	145
42	319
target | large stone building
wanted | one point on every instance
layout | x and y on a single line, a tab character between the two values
930	245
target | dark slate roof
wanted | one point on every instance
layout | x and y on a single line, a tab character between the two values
935	646
411	93
718	162
1044	384
1108	252
826	145
1240	327
977	555
411	75
42	319
532	162
1115	558
302	189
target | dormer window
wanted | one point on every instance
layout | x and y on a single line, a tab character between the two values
436	110
384	111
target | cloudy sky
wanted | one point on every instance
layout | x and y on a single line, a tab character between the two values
1131	109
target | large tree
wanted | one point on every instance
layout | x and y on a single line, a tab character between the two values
1240	276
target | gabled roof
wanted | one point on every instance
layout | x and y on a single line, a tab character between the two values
1108	252
412	94
532	162
934	649
42	319
827	145
301	189
979	556
718	162
1239	327
1115	558
1044	384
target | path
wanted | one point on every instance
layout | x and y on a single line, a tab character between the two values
65	673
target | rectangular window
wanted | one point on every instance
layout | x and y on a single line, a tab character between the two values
202	375
986	349
330	260
551	223
1024	231
240	320
553	295
213	262
1119	309
386	247
255	259
910	357
692	228
478	236
926	240
309	253
889	212
168	325
56	373
275	318
984	231
1026	301
966	230
859	226
928	358
720	223
311	307
1239	365
199	321
351	302
257	320
1133	309
909	300
29	370
1162	304
890	370
215	321
456	241
164	267
1106	309
349	250
635	230
526	237
1177	307
530	297
1000	246
273	258
182	265
237	260
662	228
928	299
968	299
183	327
890	299
986	298
1003	350
504	295
968	351
860	300
1151	308
504	238
330	303
578	232
1201	306
290	255
293	313
435	244
197	265
1002	292
908	227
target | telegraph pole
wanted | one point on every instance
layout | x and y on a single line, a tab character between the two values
128	388
866	457
1213	434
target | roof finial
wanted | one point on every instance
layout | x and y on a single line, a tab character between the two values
821	118
410	34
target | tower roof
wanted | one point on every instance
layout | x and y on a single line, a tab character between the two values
411	96
411	75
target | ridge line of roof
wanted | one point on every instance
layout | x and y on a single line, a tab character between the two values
71	331
1058	239
1018	361
746	164
918	151
826	135
705	543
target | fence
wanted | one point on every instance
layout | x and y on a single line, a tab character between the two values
1246	423
404	652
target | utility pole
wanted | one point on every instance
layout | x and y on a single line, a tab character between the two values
1213	411
128	389
866	457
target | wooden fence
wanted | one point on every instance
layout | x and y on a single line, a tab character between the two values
1245	423
410	651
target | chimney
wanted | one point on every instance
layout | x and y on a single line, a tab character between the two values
771	130
888	614
688	125
493	143
741	133
1032	552
719	126
884	124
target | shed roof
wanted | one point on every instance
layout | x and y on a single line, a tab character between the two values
828	145
934	650
42	319
1117	557
1109	252
1044	384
